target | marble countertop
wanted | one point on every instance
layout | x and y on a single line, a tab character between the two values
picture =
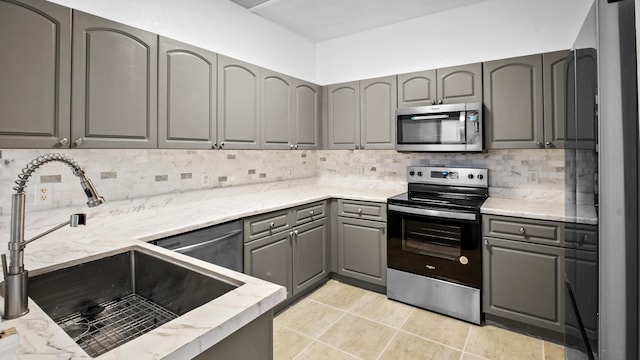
123	225
541	210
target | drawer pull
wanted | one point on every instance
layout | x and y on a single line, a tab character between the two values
522	230
486	243
272	224
359	211
311	212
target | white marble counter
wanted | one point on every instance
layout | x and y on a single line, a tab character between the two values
541	210
120	225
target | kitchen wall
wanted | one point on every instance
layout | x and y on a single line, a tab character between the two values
217	25
488	30
125	174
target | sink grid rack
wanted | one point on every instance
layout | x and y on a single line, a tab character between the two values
122	320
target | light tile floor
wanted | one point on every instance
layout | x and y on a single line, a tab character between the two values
340	321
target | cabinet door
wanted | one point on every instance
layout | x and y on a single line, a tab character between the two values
115	90
310	261
417	89
459	84
35	73
377	113
306	125
186	96
524	282
269	259
238	104
344	115
513	103
554	98
277	110
362	250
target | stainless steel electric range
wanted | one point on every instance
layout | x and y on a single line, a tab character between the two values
434	255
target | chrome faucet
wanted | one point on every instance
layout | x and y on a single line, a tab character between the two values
15	276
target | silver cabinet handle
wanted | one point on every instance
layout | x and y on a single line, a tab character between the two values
433	102
295	146
359	211
486	242
357	146
272	224
586	238
63	141
295	232
215	145
221	145
538	144
78	141
361	146
522	230
440	102
291	146
549	144
382	229
311	212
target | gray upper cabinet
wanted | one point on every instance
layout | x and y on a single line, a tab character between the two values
277	110
186	96
456	84
459	84
361	114
238	104
417	89
554	98
307	104
525	101
343	117
114	89
513	103
35	40
377	113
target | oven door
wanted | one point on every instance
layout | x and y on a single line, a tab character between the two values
438	243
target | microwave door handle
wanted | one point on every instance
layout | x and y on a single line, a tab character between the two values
429	117
463	124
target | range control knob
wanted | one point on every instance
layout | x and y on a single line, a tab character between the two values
411	173
470	176
419	173
480	176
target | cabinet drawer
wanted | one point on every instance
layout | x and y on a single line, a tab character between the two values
267	224
536	231
310	212
362	210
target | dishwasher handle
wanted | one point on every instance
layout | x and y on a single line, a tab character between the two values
184	249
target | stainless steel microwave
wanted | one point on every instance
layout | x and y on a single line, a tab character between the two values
450	127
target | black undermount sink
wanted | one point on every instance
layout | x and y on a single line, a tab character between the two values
104	303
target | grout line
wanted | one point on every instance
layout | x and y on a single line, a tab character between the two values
387	345
542	342
431	340
466	341
336	348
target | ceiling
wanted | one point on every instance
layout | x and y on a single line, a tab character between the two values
319	20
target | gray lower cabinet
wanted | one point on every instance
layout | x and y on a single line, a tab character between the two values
456	84
186	96
523	282
524	101
114	84
361	115
362	250
288	247
35	40
238	104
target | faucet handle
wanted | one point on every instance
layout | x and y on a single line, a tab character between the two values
78	219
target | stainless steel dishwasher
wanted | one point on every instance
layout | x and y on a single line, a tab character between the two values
219	244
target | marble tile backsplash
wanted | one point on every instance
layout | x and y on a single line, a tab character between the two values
124	174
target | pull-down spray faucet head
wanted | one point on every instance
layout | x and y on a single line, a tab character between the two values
87	186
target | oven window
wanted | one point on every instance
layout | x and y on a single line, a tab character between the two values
428	238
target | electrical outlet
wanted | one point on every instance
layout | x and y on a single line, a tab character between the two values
533	177
204	179
44	194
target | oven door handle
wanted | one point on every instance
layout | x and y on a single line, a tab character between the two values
433	213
